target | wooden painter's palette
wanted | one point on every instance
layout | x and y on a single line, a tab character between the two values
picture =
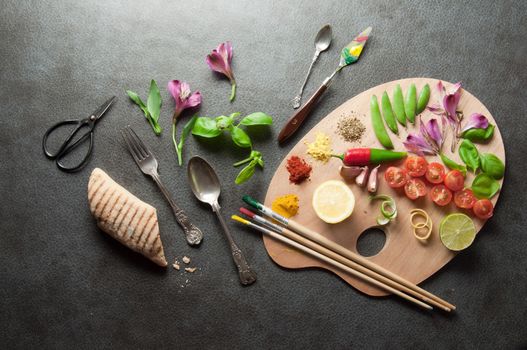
402	253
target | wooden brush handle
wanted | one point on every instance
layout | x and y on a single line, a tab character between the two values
337	248
298	118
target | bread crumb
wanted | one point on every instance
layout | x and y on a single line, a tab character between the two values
186	259
176	266
190	269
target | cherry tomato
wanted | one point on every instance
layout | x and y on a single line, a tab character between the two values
395	177
435	173
483	209
415	165
454	180
441	195
465	198
415	188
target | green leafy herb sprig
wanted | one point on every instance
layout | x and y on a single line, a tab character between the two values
213	127
485	184
152	108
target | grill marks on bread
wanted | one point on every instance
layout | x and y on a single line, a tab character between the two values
125	217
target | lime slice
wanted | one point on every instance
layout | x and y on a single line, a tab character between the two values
457	231
333	201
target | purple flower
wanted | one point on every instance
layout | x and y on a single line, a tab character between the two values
219	60
432	134
183	97
429	140
418	145
476	121
448	109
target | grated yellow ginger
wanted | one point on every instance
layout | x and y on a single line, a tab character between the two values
320	149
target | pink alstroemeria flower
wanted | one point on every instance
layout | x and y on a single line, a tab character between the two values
183	97
448	109
418	145
429	141
219	60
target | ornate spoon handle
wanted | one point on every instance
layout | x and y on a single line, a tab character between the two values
246	274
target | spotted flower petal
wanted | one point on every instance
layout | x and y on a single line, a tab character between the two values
183	96
435	108
476	121
432	134
418	145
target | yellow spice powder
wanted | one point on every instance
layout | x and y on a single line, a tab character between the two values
320	149
287	205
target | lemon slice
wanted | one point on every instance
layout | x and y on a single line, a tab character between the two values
333	201
457	231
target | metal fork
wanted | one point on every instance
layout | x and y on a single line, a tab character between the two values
146	161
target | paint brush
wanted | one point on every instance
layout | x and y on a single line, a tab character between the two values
329	260
340	250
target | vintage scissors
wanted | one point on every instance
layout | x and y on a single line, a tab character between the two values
70	144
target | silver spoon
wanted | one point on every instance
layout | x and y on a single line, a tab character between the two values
322	42
206	187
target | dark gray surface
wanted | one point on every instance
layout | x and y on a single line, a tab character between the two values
64	284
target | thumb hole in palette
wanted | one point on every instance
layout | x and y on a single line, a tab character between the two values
371	241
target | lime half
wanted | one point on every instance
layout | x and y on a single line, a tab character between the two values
457	231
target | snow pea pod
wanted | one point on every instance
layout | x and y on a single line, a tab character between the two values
398	105
387	112
378	124
422	101
410	103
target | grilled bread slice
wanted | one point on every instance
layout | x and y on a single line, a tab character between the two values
125	217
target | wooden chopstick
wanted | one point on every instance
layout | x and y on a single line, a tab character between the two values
318	238
332	262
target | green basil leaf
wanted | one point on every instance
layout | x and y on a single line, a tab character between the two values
479	135
137	100
205	127
453	165
257	118
240	137
469	155
184	134
186	130
246	173
485	186
489	131
492	165
223	122
154	101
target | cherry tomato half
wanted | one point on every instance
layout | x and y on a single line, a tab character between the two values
483	209
465	198
416	166
435	173
395	177
415	188
454	180
440	195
